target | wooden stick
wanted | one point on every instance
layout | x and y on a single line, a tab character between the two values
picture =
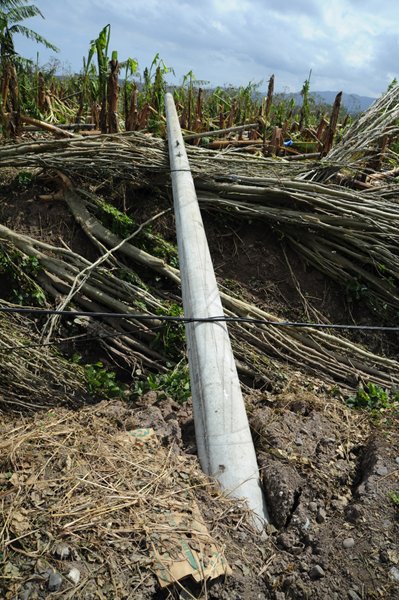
303	156
225	143
67	126
383	175
47	127
192	136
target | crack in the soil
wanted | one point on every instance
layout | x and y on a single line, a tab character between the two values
295	504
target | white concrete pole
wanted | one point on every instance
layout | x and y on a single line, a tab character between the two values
224	442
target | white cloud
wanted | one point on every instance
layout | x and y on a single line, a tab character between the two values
349	44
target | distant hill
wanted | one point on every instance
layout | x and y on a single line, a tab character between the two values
352	102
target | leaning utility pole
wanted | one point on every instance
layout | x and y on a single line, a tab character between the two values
224	442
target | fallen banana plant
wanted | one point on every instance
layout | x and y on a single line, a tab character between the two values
351	237
362	148
131	341
34	376
135	157
128	339
318	351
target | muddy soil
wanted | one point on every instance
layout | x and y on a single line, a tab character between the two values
329	477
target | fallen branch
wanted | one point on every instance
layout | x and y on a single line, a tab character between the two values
47	127
63	126
217	132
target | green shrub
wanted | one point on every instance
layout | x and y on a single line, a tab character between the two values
175	383
24	179
101	381
372	397
394	497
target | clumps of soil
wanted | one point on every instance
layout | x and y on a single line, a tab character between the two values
328	475
23	210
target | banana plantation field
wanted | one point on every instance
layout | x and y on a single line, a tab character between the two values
102	494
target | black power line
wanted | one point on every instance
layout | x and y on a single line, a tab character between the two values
170	318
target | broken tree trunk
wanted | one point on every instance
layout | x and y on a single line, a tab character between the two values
112	97
269	99
328	137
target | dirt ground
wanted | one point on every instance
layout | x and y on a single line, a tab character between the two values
327	474
70	503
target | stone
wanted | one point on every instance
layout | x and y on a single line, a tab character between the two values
316	572
397	460
74	575
299	441
381	470
313	506
348	543
43	568
328	441
54	582
286	541
321	515
394	573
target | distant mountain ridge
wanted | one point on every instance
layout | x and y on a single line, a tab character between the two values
352	102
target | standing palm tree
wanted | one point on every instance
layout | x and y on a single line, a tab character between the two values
12	13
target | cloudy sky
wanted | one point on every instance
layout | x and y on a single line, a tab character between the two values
350	45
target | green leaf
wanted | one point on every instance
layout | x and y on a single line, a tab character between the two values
32	35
